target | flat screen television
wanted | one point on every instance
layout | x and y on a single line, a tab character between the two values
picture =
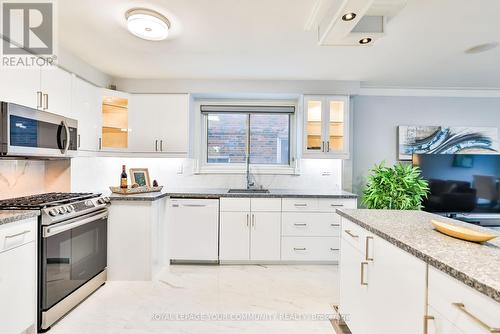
461	183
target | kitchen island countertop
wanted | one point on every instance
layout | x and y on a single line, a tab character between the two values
476	265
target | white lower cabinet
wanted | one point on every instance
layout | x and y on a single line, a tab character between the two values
251	235
451	301
265	235
18	276
311	229
382	288
136	239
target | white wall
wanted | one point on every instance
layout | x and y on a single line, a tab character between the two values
97	174
74	64
206	86
376	119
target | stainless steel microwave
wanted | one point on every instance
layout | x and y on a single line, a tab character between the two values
28	132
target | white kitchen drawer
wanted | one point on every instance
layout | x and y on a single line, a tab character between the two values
440	325
318	224
235	204
353	234
300	204
332	204
17	233
266	204
310	248
445	292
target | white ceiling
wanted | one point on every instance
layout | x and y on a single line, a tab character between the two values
266	39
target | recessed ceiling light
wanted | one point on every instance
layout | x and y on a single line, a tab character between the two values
365	40
481	48
349	17
147	24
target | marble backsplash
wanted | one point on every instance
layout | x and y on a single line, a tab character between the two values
28	177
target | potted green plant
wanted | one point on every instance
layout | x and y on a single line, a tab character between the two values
400	187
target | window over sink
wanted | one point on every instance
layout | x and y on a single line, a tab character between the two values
231	133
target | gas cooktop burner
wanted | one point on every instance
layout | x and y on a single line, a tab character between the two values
44	200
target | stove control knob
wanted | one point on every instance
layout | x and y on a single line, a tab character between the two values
107	200
70	208
101	201
53	212
62	210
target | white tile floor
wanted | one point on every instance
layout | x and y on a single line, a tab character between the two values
265	291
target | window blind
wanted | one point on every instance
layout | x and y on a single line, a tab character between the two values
205	109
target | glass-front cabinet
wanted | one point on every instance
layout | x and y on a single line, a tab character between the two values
326	126
115	122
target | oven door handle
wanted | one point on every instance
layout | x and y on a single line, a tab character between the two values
68	225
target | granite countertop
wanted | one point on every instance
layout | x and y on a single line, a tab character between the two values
10	216
222	192
476	265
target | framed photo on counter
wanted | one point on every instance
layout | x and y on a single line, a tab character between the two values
140	176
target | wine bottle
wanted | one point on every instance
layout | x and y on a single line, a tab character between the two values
123	178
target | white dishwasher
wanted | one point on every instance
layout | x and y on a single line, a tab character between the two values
194	230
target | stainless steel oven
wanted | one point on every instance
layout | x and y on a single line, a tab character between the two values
29	132
73	253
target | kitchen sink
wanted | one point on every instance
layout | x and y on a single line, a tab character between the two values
248	191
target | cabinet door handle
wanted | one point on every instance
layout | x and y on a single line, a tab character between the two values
100	143
300	249
328	146
39	97
426	323
248	219
300	224
45	101
322	146
367	246
351	234
161	145
156	145
481	323
363	273
253	221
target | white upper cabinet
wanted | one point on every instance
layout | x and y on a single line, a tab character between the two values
86	108
326	127
56	89
20	86
159	123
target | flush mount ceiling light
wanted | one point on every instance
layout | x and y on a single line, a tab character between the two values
365	40
349	17
147	24
481	48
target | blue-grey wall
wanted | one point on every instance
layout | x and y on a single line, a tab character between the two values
376	119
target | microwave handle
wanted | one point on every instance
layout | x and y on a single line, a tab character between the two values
68	139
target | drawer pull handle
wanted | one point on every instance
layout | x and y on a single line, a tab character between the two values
299	249
337	205
17	234
300	224
367	246
363	273
334	249
462	308
303	205
351	234
334	225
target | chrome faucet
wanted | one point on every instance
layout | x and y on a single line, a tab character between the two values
250	184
